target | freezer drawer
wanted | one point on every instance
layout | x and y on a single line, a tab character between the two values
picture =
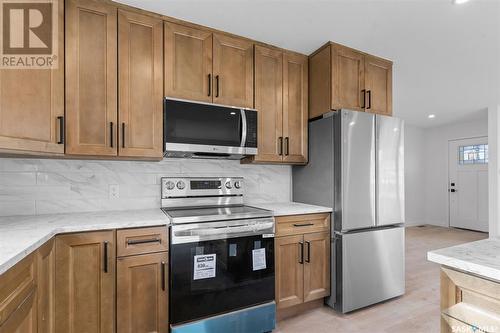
370	267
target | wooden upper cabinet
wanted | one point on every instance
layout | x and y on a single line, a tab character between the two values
32	105
140	76
295	110
348	78
344	78
91	78
142	293
378	84
232	71
316	266
46	287
269	103
85	282
188	63
289	267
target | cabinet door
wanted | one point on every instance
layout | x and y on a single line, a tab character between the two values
142	293
91	78
348	78
269	103
316	266
289	269
32	105
46	287
140	68
233	71
188	63
23	319
295	108
85	280
378	79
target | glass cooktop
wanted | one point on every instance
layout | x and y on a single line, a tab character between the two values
206	214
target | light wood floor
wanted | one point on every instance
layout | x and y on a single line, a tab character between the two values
415	312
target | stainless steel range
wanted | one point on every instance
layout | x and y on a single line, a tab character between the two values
221	257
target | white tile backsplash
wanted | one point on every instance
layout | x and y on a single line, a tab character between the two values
46	186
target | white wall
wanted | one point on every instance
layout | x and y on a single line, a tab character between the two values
436	165
414	175
41	186
494	171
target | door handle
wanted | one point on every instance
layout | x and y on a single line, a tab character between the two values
302	224
280	145
143	241
163	274
61	130
369	92
111	134
209	84
287	146
308	258
105	256
453	190
123	135
363	92
301	249
217	86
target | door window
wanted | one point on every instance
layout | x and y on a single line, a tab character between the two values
473	154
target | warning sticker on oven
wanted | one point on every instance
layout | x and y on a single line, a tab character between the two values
259	259
204	266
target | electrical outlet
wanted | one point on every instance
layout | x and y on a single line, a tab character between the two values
114	191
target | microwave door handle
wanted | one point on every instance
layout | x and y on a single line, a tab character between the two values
243	128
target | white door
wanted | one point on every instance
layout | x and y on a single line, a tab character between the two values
468	183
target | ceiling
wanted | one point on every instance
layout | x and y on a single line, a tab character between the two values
446	57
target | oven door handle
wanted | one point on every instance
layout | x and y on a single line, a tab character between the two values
243	128
232	226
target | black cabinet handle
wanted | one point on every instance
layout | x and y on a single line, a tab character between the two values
209	84
363	92
217	86
111	135
308	251
287	146
280	145
61	130
105	256
143	241
301	248
369	99
163	273
302	224
123	135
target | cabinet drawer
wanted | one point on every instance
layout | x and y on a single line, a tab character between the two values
302	224
140	241
16	285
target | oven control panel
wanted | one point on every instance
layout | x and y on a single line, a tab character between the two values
176	187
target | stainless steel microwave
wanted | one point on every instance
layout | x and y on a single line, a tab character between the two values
204	130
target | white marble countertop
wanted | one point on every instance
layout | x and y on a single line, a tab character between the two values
292	208
21	235
481	258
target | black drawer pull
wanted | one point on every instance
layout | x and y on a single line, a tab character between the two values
111	135
287	146
209	84
143	241
301	257
308	259
105	256
369	99
123	135
280	145
302	224
363	92
61	130
217	86
163	274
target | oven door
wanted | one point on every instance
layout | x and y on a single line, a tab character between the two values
210	277
204	128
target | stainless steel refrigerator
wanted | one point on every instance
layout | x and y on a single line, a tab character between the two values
356	166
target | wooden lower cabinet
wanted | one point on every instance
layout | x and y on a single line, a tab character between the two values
18	293
289	270
85	282
46	260
302	259
142	293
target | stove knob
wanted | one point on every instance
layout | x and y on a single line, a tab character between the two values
170	185
181	185
237	184
228	185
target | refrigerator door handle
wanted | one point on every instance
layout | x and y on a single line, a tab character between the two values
333	270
